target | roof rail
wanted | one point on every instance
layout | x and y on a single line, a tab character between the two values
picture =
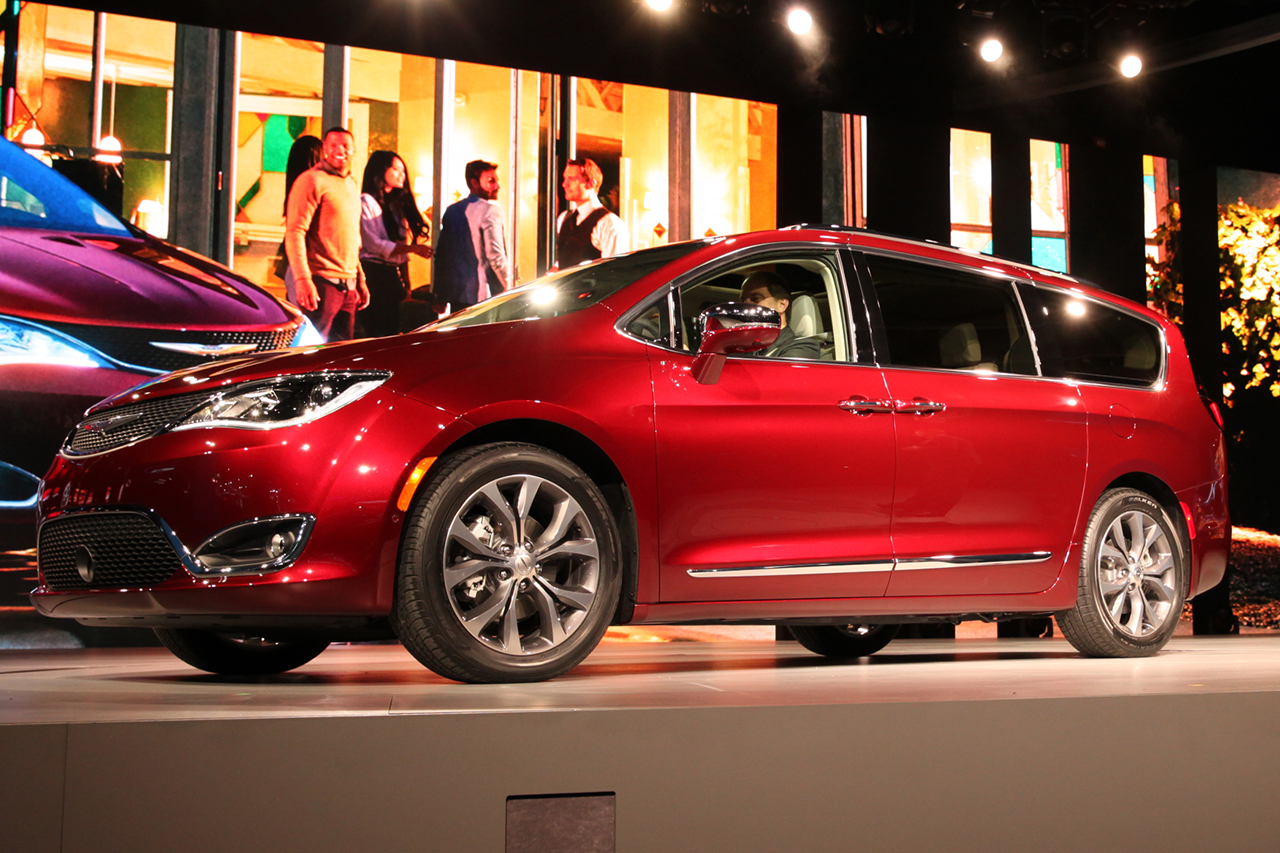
853	229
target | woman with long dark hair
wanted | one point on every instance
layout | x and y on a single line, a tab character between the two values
303	154
390	227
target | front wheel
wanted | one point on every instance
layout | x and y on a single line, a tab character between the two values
510	567
844	641
235	654
1133	579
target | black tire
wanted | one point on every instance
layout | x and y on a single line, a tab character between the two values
485	595
229	654
844	641
1130	596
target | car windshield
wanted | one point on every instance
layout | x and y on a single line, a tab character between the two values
32	195
569	290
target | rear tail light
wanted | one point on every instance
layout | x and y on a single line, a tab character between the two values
1211	406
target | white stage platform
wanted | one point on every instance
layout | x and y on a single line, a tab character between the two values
982	745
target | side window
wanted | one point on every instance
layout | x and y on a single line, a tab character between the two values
1091	341
805	289
937	318
654	323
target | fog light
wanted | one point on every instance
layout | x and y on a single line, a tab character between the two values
254	547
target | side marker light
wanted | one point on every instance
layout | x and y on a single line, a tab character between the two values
411	485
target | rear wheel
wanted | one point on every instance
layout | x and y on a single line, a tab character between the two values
238	654
844	641
510	567
1133	579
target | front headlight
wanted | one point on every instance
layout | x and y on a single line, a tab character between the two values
29	343
282	402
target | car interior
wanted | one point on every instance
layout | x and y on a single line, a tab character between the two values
815	290
937	320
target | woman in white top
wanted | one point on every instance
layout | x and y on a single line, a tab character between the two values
390	226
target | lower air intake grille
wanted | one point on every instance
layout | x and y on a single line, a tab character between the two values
121	549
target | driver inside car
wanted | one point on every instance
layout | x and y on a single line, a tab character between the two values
770	290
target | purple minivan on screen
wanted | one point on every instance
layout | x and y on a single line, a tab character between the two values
91	306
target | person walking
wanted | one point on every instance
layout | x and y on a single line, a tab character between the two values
303	154
322	239
587	230
471	254
390	226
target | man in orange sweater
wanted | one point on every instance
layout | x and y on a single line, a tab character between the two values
322	239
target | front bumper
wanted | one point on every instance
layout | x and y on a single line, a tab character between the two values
345	469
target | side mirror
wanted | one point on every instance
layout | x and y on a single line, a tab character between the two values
731	329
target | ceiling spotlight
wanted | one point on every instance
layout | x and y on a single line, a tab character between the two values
991	50
659	5
799	21
1131	65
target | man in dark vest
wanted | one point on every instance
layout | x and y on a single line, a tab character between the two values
587	230
471	255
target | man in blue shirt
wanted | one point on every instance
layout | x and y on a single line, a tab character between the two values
471	254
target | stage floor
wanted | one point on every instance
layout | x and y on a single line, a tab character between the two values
969	745
134	685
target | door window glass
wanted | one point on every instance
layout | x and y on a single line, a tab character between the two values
937	318
1087	340
808	286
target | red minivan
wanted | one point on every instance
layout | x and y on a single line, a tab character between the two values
833	430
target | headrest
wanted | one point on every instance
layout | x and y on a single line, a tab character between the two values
805	321
959	347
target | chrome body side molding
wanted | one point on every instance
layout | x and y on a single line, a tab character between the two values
942	561
779	571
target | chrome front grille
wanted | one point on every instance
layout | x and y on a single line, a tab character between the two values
121	425
134	346
115	549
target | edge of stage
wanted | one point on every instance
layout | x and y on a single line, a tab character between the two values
969	744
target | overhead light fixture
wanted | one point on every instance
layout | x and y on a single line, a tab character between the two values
1131	65
659	5
799	21
991	49
109	150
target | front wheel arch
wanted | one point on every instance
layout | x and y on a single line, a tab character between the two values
596	464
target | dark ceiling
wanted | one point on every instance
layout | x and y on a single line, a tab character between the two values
1208	91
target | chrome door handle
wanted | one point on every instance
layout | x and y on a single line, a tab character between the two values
860	405
917	406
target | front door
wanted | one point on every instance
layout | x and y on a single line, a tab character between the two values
769	487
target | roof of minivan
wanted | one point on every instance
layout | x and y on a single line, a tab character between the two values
868	238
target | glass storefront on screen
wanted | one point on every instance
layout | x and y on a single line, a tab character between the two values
512	117
126	106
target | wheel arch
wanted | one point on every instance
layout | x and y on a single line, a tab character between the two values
596	463
1168	500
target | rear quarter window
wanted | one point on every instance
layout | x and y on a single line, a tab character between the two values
1093	342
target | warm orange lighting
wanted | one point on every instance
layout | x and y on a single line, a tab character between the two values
411	485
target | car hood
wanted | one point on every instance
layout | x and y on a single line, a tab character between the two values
390	354
137	281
